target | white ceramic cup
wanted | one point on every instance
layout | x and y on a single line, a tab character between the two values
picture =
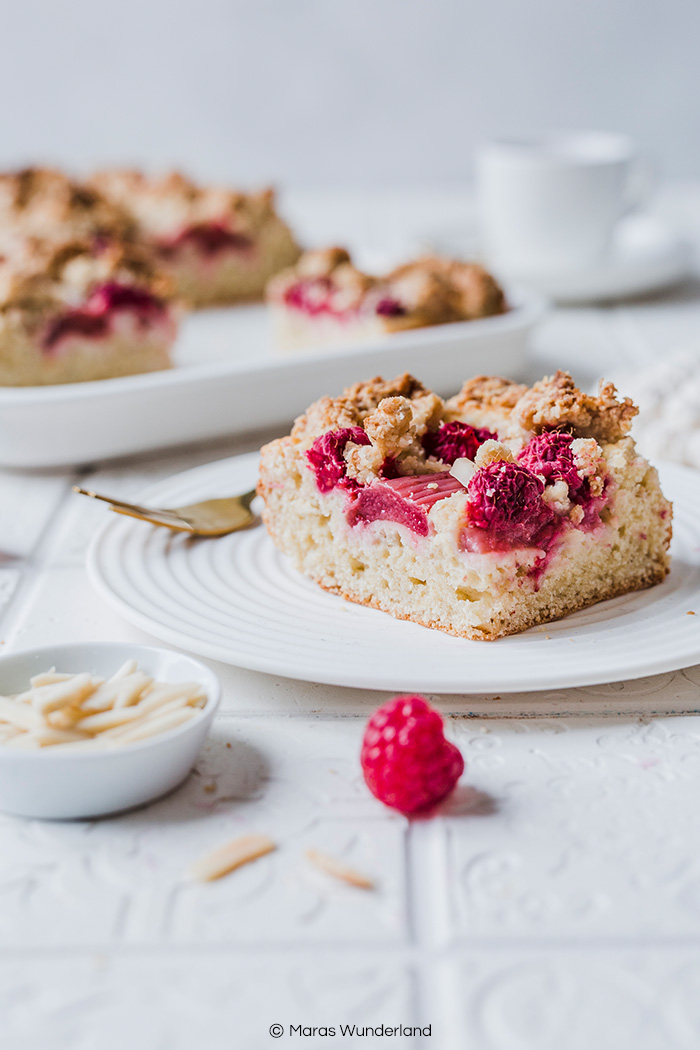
553	201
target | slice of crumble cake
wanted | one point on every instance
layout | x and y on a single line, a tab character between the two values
77	310
501	508
325	300
220	246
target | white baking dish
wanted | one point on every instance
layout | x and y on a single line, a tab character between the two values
228	379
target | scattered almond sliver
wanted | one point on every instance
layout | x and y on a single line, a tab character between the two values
339	870
230	856
81	711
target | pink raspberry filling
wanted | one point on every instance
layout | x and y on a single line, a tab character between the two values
326	457
404	501
389	307
208	238
93	319
455	440
313	296
550	455
506	510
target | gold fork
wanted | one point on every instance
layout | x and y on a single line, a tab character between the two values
213	517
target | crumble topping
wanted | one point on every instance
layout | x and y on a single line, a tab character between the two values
486	394
587	455
44	203
441	289
162	204
390	426
355	404
492	451
368	394
324	262
556	403
557	497
363	462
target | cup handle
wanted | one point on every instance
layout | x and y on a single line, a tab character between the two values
641	182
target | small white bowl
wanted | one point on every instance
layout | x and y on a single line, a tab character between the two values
49	785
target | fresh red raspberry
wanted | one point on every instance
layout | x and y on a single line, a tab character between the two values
550	455
455	440
406	761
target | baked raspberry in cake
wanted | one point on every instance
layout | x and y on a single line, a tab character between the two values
74	310
501	508
324	300
219	246
47	204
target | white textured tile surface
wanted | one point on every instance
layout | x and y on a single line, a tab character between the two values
180	1001
544	1000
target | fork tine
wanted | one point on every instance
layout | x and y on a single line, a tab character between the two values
134	508
217	517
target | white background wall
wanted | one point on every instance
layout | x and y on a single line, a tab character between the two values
322	92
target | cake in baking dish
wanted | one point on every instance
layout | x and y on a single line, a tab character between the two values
483	515
220	246
325	300
77	310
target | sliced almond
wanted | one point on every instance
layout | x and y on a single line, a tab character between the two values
230	856
49	678
126	669
153	726
47	737
7	732
122	692
62	694
163	694
339	870
19	714
116	716
463	469
72	710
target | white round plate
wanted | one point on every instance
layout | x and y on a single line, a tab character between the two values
644	256
238	600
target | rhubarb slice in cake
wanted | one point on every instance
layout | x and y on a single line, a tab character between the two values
218	245
325	300
74	310
501	508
